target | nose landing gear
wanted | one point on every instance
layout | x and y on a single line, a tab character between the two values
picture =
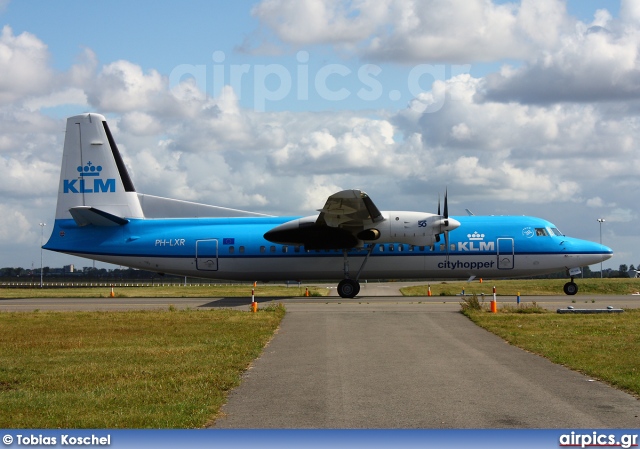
570	288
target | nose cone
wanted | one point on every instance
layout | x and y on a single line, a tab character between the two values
588	252
605	252
453	224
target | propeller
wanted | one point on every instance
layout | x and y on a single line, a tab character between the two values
446	222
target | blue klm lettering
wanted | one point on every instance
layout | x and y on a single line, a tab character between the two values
99	185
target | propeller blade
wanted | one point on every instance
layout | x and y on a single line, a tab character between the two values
446	205
446	242
438	204
446	221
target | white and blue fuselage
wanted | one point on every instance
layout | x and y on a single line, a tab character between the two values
234	248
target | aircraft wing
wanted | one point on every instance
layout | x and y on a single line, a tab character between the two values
349	208
344	215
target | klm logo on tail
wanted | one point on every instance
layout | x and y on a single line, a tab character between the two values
85	184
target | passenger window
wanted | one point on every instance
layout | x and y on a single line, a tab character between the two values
231	250
272	249
241	249
263	249
391	248
285	249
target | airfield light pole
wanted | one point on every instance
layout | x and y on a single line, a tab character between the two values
601	220
42	225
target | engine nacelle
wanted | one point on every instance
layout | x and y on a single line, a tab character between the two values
412	228
305	231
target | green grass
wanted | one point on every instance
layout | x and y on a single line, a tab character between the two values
604	346
167	291
142	369
526	287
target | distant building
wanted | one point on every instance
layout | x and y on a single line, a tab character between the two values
68	268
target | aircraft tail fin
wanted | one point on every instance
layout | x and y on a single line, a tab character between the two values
95	187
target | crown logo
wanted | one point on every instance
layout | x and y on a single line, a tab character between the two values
89	169
475	236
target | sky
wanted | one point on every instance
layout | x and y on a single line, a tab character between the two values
516	108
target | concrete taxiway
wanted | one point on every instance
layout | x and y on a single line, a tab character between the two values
396	362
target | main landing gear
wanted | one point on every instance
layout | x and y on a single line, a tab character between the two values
349	288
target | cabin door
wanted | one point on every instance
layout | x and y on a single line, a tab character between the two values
207	255
505	253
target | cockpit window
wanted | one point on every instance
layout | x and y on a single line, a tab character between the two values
541	232
556	232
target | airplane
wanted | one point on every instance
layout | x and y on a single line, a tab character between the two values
101	216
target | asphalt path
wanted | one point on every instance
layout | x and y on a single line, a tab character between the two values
394	362
408	365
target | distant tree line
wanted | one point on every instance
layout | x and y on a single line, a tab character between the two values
623	271
86	274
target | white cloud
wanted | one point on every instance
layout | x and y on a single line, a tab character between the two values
302	22
630	11
24	65
415	32
591	64
122	86
72	95
620	215
596	201
14	227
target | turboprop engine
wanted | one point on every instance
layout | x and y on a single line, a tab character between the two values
412	228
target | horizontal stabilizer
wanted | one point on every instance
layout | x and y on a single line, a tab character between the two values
159	207
86	215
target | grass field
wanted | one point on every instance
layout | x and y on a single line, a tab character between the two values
143	369
604	346
526	287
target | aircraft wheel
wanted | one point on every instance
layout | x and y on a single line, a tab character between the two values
348	288
570	288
